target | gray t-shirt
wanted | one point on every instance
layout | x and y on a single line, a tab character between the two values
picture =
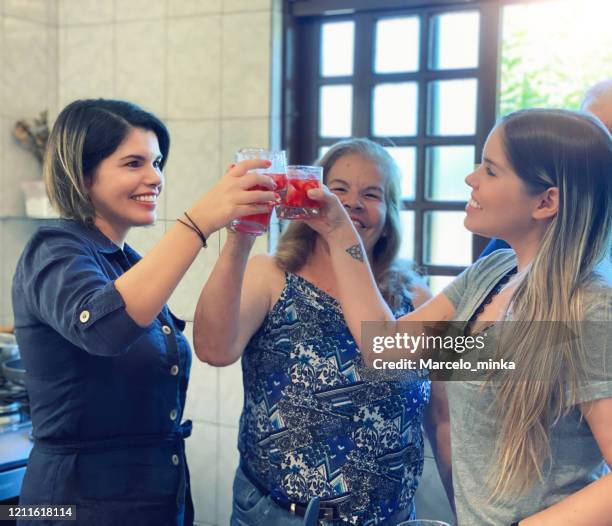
576	459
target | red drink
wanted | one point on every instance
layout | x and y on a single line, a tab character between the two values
297	204
257	224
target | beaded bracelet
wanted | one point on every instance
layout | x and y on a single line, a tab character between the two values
193	226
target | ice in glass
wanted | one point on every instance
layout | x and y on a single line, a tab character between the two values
257	224
296	204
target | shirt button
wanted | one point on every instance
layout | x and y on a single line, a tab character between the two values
175	460
166	329
173	414
84	317
174	370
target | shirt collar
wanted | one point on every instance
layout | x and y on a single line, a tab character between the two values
100	241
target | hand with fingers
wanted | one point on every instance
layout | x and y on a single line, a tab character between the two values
334	219
240	192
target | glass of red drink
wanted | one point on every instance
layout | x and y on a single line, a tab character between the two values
257	224
296	204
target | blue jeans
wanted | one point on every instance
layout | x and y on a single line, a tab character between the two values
252	508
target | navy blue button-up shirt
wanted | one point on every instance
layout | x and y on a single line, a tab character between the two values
106	395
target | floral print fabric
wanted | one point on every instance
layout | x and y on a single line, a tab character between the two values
316	421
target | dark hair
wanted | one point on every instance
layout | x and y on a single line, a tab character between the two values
571	150
85	133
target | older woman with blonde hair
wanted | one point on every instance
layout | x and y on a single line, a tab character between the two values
316	422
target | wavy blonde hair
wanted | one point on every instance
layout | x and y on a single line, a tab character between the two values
394	278
573	152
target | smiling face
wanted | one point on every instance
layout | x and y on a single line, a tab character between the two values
126	185
500	204
360	187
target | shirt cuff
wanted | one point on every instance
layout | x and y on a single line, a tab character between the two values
105	325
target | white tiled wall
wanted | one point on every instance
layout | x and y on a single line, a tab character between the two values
246	82
194	67
28	85
140	68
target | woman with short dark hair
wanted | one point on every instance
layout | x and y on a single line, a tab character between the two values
107	363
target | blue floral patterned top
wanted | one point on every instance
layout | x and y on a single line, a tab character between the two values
316	421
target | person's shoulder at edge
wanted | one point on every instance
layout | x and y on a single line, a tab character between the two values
479	275
502	258
492	246
263	263
59	229
263	271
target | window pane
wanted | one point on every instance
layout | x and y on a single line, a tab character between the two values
445	240
405	157
395	109
397	45
454	42
452	106
337	41
437	283
322	150
447	167
336	111
407	247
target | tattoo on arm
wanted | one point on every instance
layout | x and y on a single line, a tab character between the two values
355	252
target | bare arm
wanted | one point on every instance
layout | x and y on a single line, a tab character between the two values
363	302
146	287
592	504
233	303
437	427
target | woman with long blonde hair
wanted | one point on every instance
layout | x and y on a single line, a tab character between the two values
530	445
316	422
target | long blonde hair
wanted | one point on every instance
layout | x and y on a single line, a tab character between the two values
573	152
394	278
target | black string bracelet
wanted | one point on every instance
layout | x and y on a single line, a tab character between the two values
193	226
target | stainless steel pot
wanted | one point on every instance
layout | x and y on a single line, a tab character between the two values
14	371
8	347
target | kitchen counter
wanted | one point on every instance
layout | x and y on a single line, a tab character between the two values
15	447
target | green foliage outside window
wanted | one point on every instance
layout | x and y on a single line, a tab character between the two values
552	52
